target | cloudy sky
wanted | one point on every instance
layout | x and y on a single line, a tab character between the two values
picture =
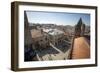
58	18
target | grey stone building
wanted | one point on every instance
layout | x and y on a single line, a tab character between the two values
27	34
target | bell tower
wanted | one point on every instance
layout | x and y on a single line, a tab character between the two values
79	28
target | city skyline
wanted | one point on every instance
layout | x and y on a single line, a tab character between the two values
58	18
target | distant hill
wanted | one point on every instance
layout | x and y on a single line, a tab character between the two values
66	28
